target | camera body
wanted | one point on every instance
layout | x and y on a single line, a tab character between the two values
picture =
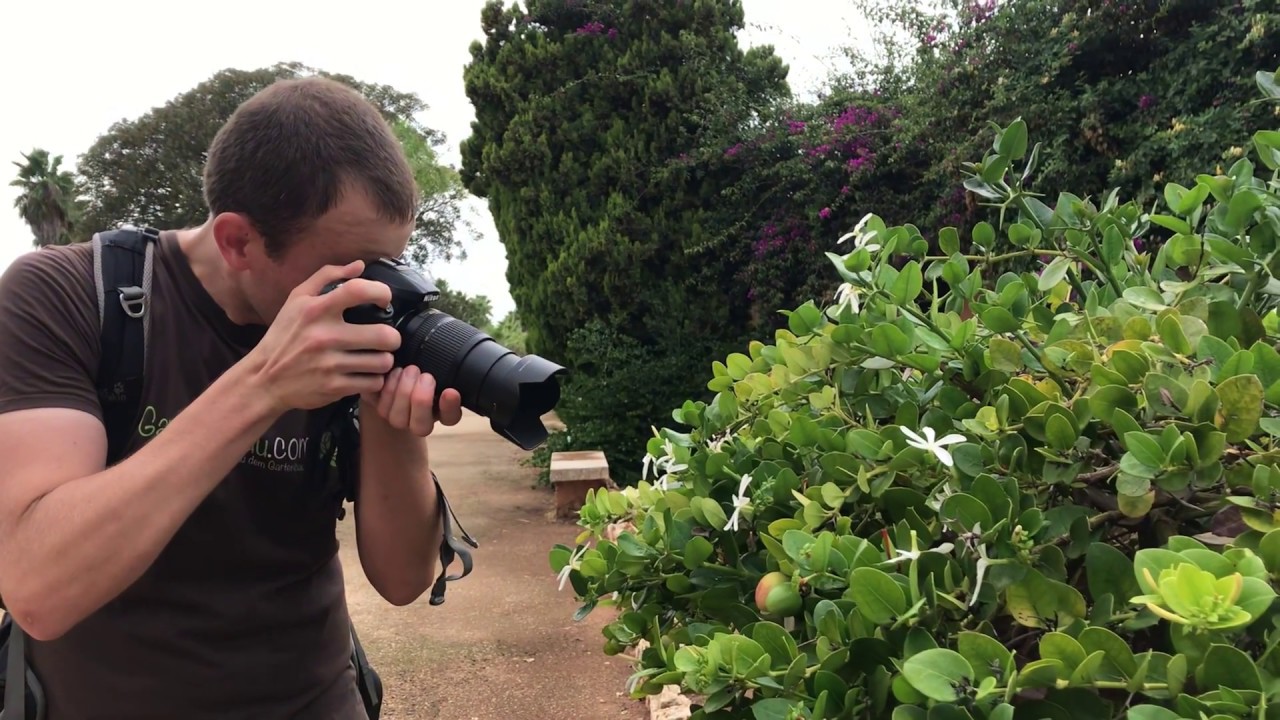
513	392
410	291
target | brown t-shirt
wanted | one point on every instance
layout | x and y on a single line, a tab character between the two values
243	614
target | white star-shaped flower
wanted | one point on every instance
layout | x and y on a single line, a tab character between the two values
915	552
663	466
936	446
847	293
861	239
740	501
974	540
717	442
563	575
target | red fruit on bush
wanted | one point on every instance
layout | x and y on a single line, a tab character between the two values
776	595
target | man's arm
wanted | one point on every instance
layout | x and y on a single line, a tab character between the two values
398	527
74	535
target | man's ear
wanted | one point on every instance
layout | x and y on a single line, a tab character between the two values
237	240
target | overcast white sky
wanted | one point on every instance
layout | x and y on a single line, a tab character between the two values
74	67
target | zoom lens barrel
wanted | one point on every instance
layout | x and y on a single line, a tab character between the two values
514	392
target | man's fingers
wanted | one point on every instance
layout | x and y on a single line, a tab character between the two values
379	337
359	291
368	362
402	398
423	402
361	384
329	274
385	398
449	409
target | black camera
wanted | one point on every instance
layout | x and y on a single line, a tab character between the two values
513	392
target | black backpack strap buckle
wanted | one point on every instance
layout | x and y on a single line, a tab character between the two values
134	301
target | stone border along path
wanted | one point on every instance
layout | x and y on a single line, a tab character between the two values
504	645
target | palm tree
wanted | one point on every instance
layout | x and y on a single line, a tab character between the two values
47	199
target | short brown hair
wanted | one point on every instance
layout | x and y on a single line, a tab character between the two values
285	155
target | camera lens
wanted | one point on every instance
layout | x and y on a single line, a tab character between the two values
514	392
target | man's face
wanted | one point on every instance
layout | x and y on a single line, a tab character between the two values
351	231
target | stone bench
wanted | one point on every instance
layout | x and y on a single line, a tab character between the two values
573	474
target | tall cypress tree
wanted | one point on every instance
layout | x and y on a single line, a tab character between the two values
586	115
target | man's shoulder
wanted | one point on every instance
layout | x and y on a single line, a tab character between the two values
54	273
76	259
49	333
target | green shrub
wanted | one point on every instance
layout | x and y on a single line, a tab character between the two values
1047	494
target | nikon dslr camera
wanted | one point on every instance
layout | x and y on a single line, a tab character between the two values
512	392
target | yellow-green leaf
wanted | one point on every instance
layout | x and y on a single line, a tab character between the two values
1239	406
1136	506
1005	354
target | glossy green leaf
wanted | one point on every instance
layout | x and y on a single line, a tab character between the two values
999	320
1054	273
1145	298
697	551
1145	448
1228	666
1006	355
907	286
774	709
949	240
1013	141
936	673
878	597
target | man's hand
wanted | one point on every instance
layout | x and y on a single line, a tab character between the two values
310	356
407	402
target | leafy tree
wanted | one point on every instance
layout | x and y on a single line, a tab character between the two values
510	333
440	214
476	310
1119	92
581	108
148	169
46	198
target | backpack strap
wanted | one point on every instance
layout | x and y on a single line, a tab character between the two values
122	268
22	692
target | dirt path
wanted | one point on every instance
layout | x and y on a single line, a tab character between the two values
504	644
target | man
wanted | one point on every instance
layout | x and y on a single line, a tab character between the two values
195	579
